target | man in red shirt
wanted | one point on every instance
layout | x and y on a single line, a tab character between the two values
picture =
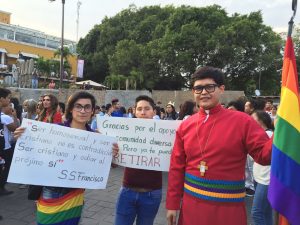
207	169
141	192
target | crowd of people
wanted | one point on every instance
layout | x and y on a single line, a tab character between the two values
213	145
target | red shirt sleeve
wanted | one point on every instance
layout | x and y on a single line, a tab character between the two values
258	144
176	174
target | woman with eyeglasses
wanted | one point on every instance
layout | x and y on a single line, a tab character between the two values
58	205
49	112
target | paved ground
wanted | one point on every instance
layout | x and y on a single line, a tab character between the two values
98	210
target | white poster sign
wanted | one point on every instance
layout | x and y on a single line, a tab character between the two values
144	143
53	155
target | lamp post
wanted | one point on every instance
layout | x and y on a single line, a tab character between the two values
61	45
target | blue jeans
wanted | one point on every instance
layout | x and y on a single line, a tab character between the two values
132	204
34	83
262	213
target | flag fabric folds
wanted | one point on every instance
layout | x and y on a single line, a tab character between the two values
284	189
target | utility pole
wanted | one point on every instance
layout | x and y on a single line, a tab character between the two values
61	44
79	3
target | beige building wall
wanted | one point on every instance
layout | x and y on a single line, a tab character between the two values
13	47
5	17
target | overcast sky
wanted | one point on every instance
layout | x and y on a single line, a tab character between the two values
45	16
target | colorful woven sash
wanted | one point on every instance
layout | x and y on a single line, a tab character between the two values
62	211
214	190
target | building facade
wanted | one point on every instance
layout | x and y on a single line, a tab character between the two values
18	42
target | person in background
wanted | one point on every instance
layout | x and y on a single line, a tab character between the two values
61	205
236	105
39	109
273	113
141	192
61	109
108	109
162	113
171	113
130	112
157	113
123	111
262	212
94	118
268	107
17	107
187	109
31	110
10	122
250	107
49	112
116	108
25	106
51	85
103	111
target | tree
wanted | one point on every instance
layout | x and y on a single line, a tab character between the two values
160	47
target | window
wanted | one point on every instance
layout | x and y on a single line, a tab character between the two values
25	38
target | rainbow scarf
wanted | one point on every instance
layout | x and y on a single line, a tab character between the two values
284	189
62	211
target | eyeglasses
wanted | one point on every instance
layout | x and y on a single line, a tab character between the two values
87	108
209	88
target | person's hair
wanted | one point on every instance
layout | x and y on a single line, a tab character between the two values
114	101
62	106
258	104
51	111
238	104
74	98
130	110
123	110
145	98
264	118
31	108
4	92
209	72
275	107
269	100
107	107
17	106
97	107
187	108
157	110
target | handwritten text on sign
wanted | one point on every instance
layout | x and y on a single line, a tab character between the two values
143	143
53	155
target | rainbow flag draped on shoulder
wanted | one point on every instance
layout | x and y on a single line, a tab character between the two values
284	189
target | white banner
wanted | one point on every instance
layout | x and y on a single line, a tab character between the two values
144	143
53	155
80	66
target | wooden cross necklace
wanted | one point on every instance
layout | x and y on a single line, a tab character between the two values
202	166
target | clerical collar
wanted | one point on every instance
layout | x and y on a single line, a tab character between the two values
212	111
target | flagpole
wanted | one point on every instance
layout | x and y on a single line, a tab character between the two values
291	22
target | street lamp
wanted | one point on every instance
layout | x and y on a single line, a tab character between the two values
61	44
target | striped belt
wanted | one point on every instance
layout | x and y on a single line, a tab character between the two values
215	190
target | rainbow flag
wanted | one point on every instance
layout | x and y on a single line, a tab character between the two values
62	211
284	189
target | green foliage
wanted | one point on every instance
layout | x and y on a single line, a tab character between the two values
160	47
